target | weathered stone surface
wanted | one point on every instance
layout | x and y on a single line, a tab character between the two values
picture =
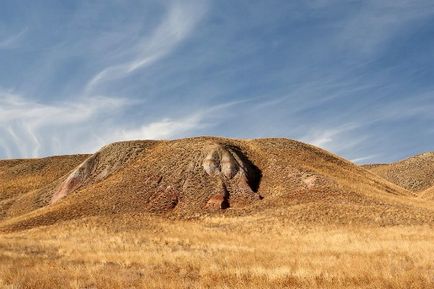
211	164
217	202
229	165
236	175
221	161
76	178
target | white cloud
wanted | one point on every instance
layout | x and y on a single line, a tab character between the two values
167	128
88	121
326	136
163	129
364	158
180	20
335	138
32	129
25	123
14	107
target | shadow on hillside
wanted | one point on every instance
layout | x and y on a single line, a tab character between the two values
254	173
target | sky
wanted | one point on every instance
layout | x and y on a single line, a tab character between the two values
353	77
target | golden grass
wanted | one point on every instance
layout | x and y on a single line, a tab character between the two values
414	173
21	180
427	194
20	176
215	252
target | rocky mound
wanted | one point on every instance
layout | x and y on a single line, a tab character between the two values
415	173
198	176
237	177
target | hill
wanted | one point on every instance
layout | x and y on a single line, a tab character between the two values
190	178
210	213
415	173
21	180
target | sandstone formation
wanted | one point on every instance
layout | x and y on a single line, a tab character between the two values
235	176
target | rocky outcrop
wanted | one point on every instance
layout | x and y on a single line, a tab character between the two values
238	176
219	200
76	178
225	162
222	161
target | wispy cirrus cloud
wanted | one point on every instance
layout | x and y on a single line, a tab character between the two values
166	127
364	159
335	138
14	107
87	121
375	23
11	41
353	77
178	23
26	123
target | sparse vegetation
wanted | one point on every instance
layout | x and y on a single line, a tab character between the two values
415	173
216	252
139	217
427	194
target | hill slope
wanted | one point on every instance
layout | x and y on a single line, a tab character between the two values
200	176
415	173
427	194
210	213
20	179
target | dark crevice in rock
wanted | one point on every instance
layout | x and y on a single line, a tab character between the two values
254	174
225	203
239	178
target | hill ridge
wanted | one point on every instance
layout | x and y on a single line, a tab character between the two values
415	173
195	177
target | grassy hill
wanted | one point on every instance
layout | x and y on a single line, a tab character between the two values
175	178
21	180
415	173
210	212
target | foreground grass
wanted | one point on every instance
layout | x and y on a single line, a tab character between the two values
146	252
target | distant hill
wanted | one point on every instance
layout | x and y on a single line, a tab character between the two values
196	177
415	173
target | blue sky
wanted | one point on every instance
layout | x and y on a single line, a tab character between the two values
353	77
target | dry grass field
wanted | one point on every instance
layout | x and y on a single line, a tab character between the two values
210	213
215	252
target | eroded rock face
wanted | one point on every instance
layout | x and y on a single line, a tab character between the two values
222	161
219	200
237	176
76	178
